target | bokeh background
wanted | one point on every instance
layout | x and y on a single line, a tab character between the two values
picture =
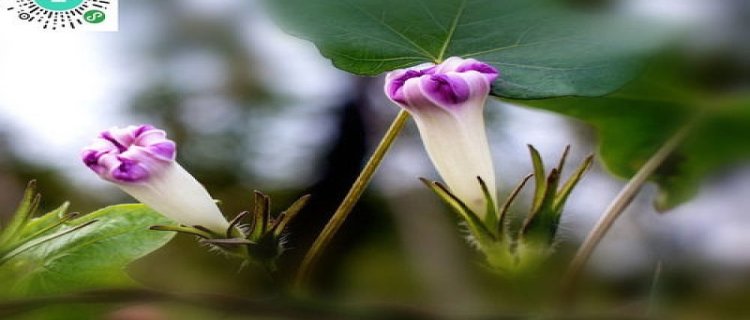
253	108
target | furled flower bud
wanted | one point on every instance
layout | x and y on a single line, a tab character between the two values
141	161
447	102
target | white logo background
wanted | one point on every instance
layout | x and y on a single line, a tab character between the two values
29	14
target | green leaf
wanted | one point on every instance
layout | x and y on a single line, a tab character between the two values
23	213
93	256
635	121
541	48
45	222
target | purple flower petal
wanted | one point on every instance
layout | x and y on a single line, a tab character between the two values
395	85
129	171
446	86
446	89
130	154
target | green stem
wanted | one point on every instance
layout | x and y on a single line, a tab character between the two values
346	206
617	207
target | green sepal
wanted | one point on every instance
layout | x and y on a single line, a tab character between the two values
260	242
193	231
534	240
539	178
261	215
502	224
490	214
288	215
567	188
476	226
540	223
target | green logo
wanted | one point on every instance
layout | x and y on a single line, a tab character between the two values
94	16
59	5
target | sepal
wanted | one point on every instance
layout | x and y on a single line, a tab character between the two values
510	251
260	241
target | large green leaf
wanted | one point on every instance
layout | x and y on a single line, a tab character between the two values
540	48
93	256
635	121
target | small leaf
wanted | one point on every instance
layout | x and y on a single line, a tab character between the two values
24	212
91	257
26	246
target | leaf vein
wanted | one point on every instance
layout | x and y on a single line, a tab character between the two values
451	31
392	29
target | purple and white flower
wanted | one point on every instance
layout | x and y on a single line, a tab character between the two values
447	102
141	161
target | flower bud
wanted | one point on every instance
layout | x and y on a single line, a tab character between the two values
141	161
447	102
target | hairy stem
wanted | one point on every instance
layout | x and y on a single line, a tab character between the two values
618	206
346	206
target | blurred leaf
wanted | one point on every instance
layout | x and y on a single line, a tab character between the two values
24	212
92	257
635	121
540	48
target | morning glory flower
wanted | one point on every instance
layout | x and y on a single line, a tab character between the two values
141	161
447	102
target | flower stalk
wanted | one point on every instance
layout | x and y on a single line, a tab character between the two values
351	198
618	206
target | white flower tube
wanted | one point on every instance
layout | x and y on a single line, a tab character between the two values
447	103
141	161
